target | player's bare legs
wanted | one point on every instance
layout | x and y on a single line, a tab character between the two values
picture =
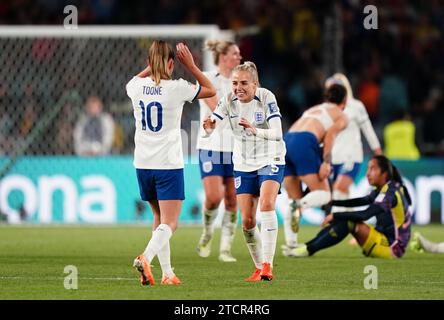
361	233
169	211
318	196
218	188
154	204
214	192
320	191
229	221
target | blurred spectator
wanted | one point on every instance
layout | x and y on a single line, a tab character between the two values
94	131
369	95
394	67
393	98
399	138
432	128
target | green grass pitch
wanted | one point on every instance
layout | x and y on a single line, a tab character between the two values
33	258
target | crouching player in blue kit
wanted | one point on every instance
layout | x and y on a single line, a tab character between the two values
158	158
389	203
258	158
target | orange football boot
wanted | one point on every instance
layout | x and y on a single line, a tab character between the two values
266	273
171	280
142	265
255	277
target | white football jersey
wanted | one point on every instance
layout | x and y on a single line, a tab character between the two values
250	152
222	138
158	111
347	146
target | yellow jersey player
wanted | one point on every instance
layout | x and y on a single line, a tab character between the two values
389	203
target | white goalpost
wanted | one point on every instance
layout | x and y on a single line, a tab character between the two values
47	74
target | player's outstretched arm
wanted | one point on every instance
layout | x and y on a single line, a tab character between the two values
186	58
273	133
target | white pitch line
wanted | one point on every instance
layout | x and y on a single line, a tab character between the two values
62	278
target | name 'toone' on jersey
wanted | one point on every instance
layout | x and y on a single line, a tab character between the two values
158	112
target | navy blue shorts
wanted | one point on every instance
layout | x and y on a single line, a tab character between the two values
303	154
347	169
215	163
157	184
250	182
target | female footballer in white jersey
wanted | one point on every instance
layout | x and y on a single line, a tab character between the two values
158	103
258	158
347	153
215	155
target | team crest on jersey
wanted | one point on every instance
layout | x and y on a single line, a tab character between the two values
259	117
237	182
207	166
272	107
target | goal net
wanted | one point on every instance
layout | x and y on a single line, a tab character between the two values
47	77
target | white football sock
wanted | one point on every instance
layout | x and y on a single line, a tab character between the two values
159	239
164	257
291	238
254	244
339	195
431	246
315	198
229	223
269	232
208	217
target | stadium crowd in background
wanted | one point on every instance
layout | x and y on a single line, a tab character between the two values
397	67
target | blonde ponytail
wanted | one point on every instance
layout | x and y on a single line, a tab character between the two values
159	54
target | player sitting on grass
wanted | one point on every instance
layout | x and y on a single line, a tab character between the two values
389	203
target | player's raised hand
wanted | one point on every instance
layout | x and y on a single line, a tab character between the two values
184	55
186	58
209	124
247	125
